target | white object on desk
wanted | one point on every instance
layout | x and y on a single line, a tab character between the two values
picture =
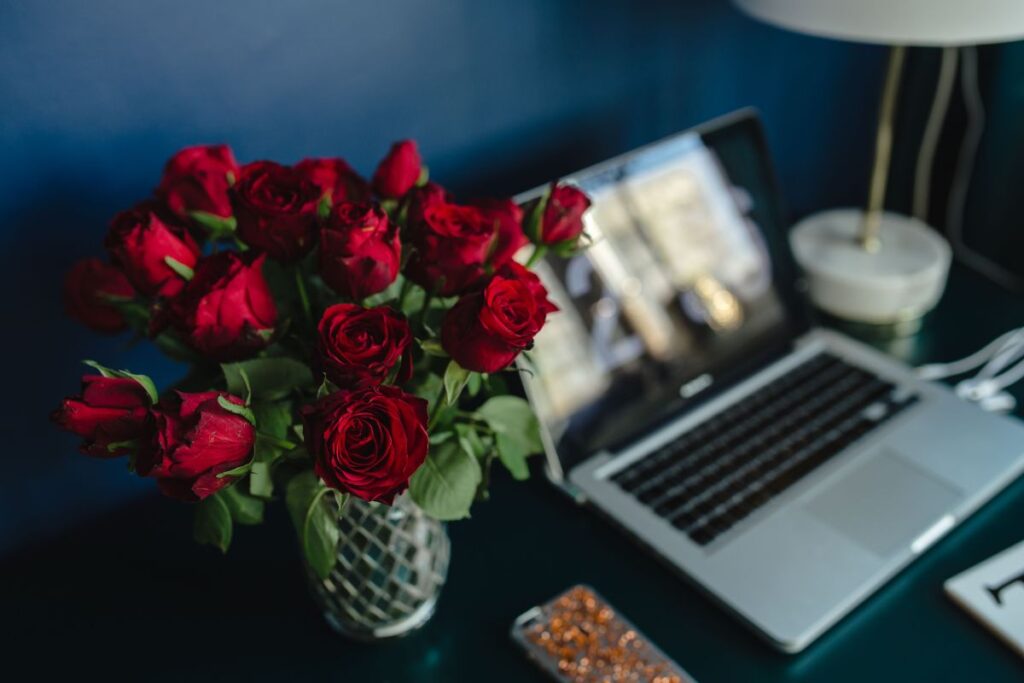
902	281
900	271
993	592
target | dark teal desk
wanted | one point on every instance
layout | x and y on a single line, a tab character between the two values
130	596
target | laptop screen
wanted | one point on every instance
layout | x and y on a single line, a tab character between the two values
684	287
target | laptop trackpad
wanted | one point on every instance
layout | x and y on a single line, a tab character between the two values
884	504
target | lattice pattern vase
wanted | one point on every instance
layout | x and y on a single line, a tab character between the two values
392	563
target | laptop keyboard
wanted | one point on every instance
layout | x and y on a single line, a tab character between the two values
724	469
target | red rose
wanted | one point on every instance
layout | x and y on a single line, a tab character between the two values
509	218
195	439
87	289
367	441
140	241
226	312
198	179
276	209
360	252
486	330
454	244
358	345
398	172
562	220
110	412
337	177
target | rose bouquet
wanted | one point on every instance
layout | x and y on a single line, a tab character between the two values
345	338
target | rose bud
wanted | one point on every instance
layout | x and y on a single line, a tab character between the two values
142	239
337	177
360	252
195	439
88	288
198	179
110	413
455	244
399	171
357	345
486	330
276	209
562	220
367	441
226	312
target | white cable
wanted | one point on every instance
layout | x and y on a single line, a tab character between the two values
958	367
932	131
1010	352
988	387
962	177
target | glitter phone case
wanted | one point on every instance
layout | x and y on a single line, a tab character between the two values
578	637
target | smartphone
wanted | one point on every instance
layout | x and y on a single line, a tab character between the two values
576	636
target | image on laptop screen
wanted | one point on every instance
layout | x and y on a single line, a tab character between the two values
676	287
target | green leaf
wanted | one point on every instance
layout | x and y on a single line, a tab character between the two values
475	383
323	207
215	225
389	294
513	456
239	471
324	389
455	378
445	484
534	215
432	347
244	508
437	437
118	445
315	516
424	177
240	410
469	439
413	301
212	524
134	312
179	267
248	386
429	389
174	347
273	417
260	483
517	432
145	381
268	378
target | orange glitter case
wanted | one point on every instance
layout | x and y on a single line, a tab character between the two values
578	637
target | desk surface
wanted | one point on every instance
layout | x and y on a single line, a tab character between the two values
131	594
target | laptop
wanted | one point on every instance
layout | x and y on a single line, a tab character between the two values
684	392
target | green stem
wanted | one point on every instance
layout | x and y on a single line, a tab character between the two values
280	443
537	255
435	413
478	423
300	285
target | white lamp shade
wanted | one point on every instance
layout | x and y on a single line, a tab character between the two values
897	22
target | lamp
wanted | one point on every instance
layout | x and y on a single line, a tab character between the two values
874	266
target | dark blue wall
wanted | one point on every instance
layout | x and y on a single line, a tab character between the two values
502	95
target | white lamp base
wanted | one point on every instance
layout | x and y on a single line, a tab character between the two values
899	282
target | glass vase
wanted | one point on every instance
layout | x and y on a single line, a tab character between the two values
392	564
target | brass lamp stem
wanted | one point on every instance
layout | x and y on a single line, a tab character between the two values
883	149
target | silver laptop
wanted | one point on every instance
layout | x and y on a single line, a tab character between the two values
787	469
